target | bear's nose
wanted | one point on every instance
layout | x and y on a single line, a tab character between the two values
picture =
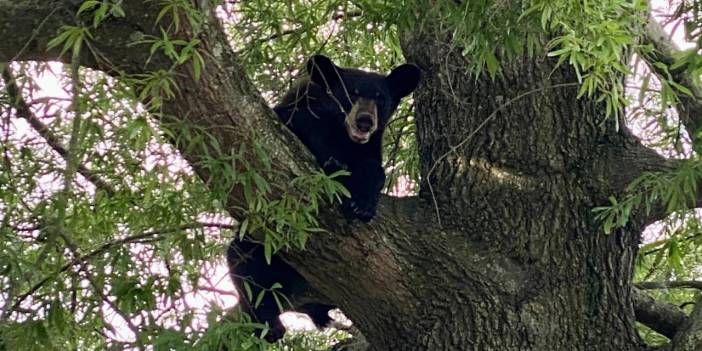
364	123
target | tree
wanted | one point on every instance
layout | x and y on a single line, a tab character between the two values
520	134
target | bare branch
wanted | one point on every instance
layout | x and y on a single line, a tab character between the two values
664	318
689	284
218	291
52	140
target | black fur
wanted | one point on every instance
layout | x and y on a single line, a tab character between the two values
247	262
315	110
324	111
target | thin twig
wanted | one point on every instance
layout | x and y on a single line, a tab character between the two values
109	245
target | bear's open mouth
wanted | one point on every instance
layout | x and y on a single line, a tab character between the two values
356	135
360	124
359	136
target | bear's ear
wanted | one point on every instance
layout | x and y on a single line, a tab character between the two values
324	72
403	80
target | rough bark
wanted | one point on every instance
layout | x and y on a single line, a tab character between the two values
516	261
689	338
522	188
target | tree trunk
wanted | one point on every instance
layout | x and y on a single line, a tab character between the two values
520	263
500	250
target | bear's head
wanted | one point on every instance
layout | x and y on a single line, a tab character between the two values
366	99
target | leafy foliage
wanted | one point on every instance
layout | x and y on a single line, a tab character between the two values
671	248
106	255
106	229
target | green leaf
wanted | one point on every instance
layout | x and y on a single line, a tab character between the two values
268	251
247	289
683	89
259	298
87	5
242	228
493	66
675	257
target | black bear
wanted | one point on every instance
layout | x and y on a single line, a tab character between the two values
340	115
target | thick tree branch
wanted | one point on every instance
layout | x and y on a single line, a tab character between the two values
221	97
660	61
689	337
664	318
629	166
628	159
222	105
28	26
625	160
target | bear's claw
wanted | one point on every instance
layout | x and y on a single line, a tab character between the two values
353	210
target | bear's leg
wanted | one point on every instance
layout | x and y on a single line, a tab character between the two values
247	263
365	184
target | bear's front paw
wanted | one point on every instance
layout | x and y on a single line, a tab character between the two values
332	165
353	210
